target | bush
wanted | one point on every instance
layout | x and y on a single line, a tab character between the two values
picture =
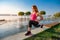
21	13
28	13
42	12
57	14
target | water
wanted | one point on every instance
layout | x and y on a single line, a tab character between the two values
13	27
7	29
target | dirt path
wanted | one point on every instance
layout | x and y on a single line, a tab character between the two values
51	24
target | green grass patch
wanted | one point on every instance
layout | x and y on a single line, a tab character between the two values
50	34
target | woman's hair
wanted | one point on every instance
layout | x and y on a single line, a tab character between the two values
35	8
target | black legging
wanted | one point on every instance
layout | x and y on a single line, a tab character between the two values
34	23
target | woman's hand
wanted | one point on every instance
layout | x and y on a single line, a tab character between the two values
41	17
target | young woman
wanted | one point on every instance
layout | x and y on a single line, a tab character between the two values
33	19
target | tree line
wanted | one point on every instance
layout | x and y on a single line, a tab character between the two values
28	13
57	14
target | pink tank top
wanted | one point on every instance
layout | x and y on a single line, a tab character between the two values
33	16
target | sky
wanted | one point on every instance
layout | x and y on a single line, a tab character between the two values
14	6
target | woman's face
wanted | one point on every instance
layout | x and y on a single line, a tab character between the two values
33	9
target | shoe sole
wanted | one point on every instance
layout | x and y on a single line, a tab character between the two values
28	35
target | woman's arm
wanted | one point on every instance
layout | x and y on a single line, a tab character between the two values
41	17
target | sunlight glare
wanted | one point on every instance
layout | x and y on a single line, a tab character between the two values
6	9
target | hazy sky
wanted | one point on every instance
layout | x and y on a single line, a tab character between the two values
14	6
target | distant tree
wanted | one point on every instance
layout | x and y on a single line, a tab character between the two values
21	13
28	13
57	14
42	12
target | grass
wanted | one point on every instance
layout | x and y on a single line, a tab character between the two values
49	34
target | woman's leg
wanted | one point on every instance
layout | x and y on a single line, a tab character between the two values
29	28
36	24
29	25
